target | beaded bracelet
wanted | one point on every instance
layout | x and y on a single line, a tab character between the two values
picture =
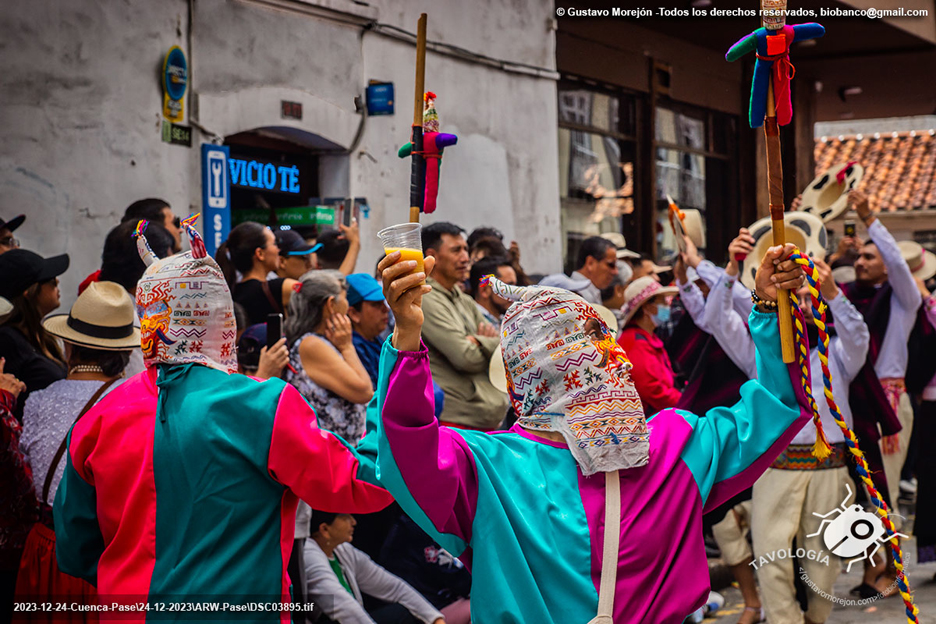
763	305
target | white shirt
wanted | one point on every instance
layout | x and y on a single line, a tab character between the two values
728	326
848	351
694	301
905	301
364	577
592	294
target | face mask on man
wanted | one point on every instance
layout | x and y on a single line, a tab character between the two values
662	315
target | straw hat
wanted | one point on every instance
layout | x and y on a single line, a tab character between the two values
686	222
827	195
101	318
498	374
803	229
618	239
640	291
6	309
843	274
922	262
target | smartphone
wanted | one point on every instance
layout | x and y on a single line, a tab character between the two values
850	228
274	329
347	212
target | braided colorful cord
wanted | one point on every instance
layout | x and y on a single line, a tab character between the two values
822	448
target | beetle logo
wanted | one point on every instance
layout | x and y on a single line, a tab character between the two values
852	532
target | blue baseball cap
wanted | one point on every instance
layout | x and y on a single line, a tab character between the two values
363	287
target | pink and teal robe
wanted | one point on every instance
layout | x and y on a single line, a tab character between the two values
183	487
518	510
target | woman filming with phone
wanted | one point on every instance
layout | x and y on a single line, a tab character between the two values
328	372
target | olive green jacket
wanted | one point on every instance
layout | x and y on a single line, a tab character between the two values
459	366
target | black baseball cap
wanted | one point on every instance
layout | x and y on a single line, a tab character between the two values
291	244
13	223
20	269
250	344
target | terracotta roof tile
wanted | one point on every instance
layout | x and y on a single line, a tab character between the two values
900	171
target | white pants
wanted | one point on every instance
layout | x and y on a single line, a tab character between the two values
894	462
731	534
783	503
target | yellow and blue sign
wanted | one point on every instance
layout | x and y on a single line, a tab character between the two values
174	83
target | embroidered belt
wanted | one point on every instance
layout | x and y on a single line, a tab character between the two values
800	457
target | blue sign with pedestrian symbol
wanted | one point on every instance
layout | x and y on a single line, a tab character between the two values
216	195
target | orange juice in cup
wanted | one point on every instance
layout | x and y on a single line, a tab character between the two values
407	239
409	254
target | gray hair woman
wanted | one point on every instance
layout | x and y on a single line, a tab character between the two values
329	373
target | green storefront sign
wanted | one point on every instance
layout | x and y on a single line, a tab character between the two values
300	215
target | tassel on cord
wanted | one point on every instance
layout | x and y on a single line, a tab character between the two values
821	449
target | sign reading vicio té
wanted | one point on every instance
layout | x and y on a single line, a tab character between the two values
174	83
260	174
216	195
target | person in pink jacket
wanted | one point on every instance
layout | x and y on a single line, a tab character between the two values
181	485
645	307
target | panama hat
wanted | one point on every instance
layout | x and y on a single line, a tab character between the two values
640	291
618	239
803	229
498	374
844	274
827	195
563	281
922	262
101	318
686	222
6	309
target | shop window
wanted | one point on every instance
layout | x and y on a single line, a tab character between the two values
596	164
692	167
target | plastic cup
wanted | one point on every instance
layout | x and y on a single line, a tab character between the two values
407	239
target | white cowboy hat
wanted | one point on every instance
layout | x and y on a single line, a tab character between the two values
618	239
825	197
101	318
844	274
803	229
6	309
498	374
640	291
563	281
922	262
689	223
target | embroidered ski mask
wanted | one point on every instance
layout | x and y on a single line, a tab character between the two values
185	308
566	373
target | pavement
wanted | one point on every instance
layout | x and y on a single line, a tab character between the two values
883	611
889	610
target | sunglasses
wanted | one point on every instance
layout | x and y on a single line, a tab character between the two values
9	241
177	222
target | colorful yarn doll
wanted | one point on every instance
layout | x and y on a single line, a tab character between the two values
433	144
771	44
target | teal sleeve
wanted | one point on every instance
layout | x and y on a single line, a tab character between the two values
738	443
744	46
79	543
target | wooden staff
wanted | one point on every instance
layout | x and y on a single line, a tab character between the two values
775	193
418	167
